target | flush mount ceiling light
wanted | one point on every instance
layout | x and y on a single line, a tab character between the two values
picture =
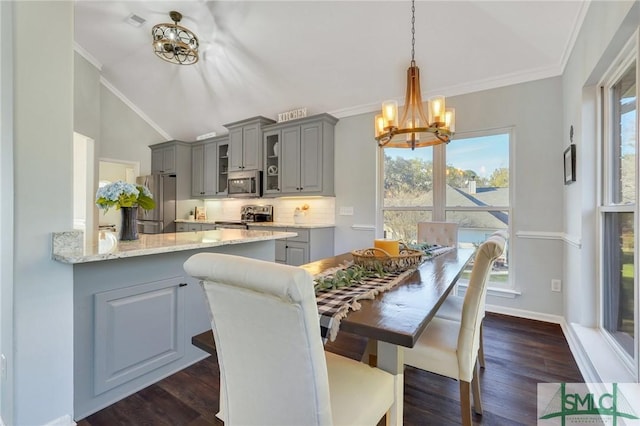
414	129
174	43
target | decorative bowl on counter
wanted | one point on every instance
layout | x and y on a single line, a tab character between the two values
374	258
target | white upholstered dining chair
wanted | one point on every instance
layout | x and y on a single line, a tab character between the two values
273	368
451	309
440	233
450	348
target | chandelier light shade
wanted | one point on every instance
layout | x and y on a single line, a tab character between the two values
414	128
174	43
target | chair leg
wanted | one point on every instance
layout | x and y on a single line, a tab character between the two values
481	348
475	389
465	403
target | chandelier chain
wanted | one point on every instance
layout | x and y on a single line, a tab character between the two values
413	30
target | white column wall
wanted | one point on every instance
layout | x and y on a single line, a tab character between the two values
43	145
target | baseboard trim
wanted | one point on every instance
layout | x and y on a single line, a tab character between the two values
555	319
65	420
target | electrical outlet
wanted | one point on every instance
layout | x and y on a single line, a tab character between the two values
556	285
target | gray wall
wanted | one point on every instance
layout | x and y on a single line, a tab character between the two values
86	98
606	28
120	133
537	176
6	213
43	142
123	134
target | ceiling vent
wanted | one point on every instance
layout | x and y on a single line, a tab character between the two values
135	20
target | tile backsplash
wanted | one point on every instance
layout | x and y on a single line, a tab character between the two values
321	209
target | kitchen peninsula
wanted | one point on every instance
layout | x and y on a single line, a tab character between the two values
135	310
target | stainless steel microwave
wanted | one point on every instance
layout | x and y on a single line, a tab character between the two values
245	184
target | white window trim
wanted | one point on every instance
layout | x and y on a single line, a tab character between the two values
439	208
625	58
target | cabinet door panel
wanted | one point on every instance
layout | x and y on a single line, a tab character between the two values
297	253
197	172
210	169
271	168
290	162
223	168
137	329
157	157
235	150
169	160
281	251
251	145
311	158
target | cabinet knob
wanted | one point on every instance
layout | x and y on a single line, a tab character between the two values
182	285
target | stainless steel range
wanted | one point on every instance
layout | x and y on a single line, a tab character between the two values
248	214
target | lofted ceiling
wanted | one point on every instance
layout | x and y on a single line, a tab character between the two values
341	57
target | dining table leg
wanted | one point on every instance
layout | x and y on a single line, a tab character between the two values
390	358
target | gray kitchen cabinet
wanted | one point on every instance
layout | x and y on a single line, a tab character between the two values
309	245
271	173
245	143
305	162
137	329
194	227
174	157
163	159
209	168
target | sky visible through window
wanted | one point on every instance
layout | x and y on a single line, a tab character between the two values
482	154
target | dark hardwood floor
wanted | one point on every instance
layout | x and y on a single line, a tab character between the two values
519	354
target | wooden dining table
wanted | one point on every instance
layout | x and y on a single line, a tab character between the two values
395	318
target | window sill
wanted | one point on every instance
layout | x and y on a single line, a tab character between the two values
602	362
491	291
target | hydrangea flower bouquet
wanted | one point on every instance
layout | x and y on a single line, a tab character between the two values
122	194
126	197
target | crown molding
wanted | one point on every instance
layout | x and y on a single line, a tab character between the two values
134	108
88	56
461	89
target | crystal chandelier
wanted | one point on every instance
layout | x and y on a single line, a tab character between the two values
174	43
414	128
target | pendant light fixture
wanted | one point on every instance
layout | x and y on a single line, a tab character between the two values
174	43
414	128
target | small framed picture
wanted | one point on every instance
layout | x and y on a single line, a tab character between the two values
570	164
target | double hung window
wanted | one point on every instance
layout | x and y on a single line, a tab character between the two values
618	209
465	181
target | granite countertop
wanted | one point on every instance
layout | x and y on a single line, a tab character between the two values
267	224
67	246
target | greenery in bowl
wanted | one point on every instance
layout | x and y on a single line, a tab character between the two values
123	194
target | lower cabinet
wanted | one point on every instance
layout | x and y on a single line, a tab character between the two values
137	329
191	227
309	245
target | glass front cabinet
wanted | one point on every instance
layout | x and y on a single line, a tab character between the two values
298	157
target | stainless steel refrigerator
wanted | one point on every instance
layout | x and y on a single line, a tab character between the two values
162	217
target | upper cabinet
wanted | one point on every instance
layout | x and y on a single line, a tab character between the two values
163	159
209	166
245	143
298	157
174	157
